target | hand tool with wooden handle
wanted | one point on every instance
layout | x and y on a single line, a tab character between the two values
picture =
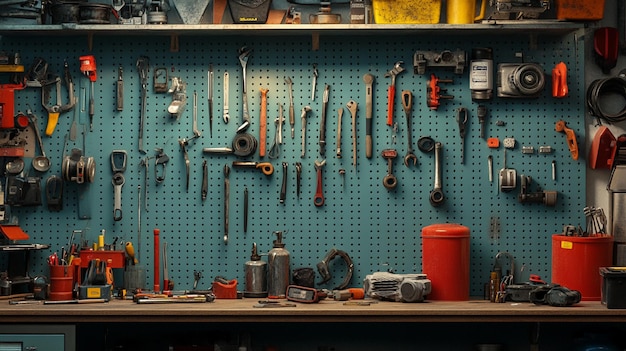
368	79
263	122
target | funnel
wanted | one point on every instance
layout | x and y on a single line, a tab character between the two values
191	11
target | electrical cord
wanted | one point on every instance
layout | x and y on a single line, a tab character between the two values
601	88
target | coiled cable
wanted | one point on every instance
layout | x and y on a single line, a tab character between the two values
599	90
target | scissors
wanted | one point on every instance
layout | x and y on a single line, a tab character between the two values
53	259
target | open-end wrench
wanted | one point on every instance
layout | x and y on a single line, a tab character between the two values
436	195
368	79
339	116
353	107
292	117
323	121
225	114
391	91
244	55
118	181
263	122
318	199
305	111
407	105
226	203
143	66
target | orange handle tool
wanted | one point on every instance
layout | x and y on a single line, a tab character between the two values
263	123
572	144
391	93
559	80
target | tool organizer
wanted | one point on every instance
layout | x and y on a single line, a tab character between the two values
379	229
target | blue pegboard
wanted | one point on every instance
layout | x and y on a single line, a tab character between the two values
380	229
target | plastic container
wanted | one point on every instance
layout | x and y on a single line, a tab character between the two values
406	11
613	287
61	282
582	10
446	261
576	260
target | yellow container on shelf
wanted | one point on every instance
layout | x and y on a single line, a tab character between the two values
406	11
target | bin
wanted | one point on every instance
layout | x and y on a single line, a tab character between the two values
581	10
446	261
576	261
61	282
406	11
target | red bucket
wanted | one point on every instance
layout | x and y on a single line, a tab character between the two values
576	262
61	282
446	261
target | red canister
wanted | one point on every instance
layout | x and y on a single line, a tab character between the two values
446	261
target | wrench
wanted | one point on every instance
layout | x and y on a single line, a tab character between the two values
391	91
305	111
390	181
225	114
118	181
244	55
353	107
436	195
407	104
318	199
210	98
298	178
461	119
292	117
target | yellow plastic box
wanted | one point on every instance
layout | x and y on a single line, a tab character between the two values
406	11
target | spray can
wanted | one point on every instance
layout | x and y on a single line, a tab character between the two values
255	272
278	267
481	74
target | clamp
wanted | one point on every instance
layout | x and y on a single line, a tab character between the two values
322	267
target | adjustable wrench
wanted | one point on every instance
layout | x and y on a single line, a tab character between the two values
225	114
305	111
368	79
407	104
436	195
391	91
244	55
318	199
292	117
353	107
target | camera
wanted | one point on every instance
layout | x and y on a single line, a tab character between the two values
517	80
397	287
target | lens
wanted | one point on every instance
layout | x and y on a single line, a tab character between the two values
529	79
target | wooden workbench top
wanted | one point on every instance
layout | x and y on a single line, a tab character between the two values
325	311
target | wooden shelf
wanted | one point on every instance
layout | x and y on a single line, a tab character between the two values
492	27
238	311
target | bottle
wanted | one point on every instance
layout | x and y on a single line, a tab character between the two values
481	74
255	272
278	267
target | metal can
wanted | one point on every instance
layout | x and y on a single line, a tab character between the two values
278	267
481	74
255	275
